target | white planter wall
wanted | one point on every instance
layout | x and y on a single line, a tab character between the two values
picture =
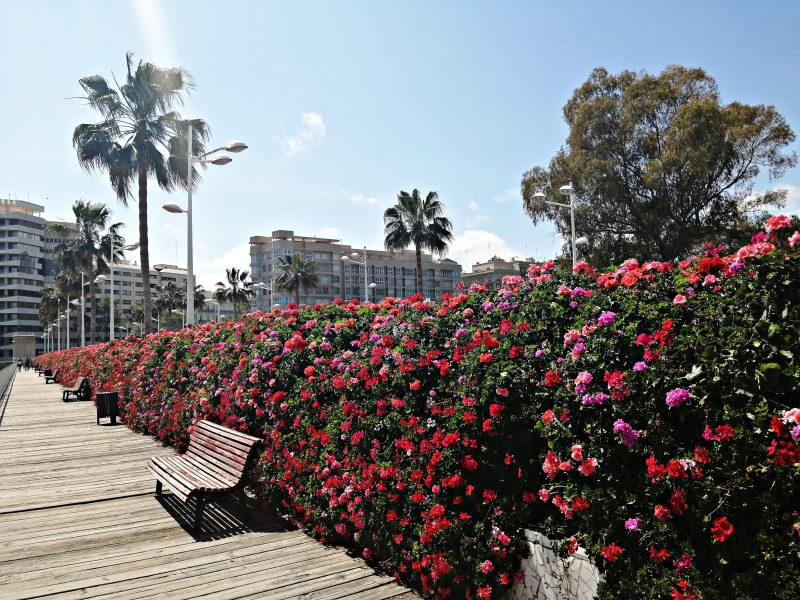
549	577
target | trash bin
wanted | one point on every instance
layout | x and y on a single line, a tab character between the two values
107	406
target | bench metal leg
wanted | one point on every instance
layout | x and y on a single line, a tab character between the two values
198	512
158	483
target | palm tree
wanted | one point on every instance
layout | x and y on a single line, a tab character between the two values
85	251
418	222
140	136
199	297
296	273
238	291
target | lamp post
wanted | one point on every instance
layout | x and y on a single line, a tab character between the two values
565	190
264	288
372	286
234	146
111	283
354	258
214	303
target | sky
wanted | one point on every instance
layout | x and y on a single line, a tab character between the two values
343	104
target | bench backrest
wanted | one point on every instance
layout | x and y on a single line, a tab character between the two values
80	382
225	450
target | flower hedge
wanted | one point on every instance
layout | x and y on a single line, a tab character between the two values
647	413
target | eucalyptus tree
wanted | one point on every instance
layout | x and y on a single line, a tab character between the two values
140	137
296	273
659	164
417	222
237	289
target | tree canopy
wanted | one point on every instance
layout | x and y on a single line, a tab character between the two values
418	222
659	164
140	137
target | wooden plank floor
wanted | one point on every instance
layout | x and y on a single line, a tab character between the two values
79	519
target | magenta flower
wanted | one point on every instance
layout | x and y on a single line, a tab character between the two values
607	318
640	366
633	524
627	433
677	397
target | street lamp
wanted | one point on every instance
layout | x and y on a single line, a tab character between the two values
264	288
564	190
214	303
102	278
233	146
123	327
354	256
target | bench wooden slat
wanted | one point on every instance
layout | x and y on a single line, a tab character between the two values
213	434
215	462
217	452
199	480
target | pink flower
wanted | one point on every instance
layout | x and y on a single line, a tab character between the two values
794	239
588	467
792	416
710	280
577	453
679	299
777	222
677	397
487	567
756	249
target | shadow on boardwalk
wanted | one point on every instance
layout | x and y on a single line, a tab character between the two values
79	519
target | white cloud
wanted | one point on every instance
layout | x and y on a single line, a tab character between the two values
362	199
506	196
792	200
475	217
309	136
208	273
475	245
330	232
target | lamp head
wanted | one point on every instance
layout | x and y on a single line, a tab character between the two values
581	241
131	246
539	196
236	146
346	258
223	159
566	190
173	208
373	285
355	255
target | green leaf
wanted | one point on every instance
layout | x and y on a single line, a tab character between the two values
767	367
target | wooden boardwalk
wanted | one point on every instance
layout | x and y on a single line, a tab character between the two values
79	519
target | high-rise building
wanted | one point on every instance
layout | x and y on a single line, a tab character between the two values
21	276
387	273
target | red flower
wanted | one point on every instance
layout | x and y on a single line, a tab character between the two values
658	555
469	463
662	513
612	552
677	502
496	409
552	378
722	529
414	385
486	357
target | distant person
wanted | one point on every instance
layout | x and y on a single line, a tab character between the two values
19	364
28	363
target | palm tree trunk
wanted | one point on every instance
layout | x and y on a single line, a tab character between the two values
92	321
297	295
419	268
144	250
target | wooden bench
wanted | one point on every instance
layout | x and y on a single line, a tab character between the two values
81	390
53	377
214	463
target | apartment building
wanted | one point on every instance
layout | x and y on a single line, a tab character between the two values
491	272
384	274
21	278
